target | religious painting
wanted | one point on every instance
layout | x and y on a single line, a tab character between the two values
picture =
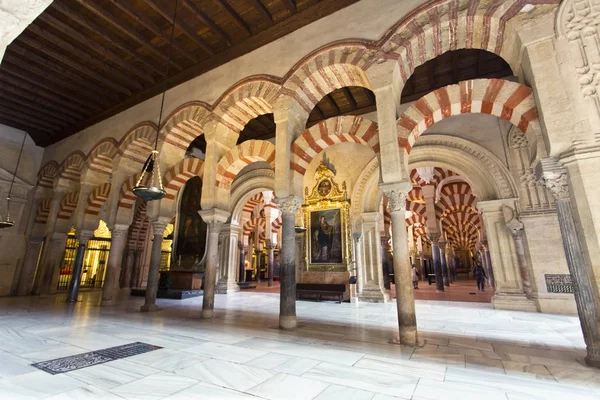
191	234
326	236
326	210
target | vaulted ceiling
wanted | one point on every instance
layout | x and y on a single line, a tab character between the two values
83	61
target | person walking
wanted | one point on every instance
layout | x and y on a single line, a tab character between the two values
480	276
415	277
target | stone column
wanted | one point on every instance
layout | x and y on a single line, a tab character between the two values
128	274
516	230
110	290
405	301
358	263
287	270
443	263
51	261
385	260
372	287
84	237
242	266
136	273
158	229
437	264
271	265
586	293
488	262
30	263
214	218
300	262
229	259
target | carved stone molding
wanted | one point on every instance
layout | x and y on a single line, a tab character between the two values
396	199
558	184
288	205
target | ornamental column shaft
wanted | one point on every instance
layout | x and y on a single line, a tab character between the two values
84	237
287	270
405	301
110	290
158	229
586	294
214	218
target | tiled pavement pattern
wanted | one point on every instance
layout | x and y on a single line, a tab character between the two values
468	351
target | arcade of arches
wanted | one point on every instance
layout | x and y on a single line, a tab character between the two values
464	133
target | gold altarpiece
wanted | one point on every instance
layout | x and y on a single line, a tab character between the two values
326	218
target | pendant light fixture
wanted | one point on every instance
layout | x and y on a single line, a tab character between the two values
154	189
7	223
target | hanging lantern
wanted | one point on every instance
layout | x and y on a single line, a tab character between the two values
154	189
7	223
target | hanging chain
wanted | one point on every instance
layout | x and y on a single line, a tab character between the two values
13	178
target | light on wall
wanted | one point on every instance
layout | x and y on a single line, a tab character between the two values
154	189
7	223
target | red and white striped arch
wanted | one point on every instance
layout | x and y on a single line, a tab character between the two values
240	156
455	196
68	204
333	131
444	25
126	197
139	226
43	212
101	157
70	169
185	124
257	225
245	101
498	97
47	174
439	174
97	198
250	206
178	175
416	194
137	144
326	70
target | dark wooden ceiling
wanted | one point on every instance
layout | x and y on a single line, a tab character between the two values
83	61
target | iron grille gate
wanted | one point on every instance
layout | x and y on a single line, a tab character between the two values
94	263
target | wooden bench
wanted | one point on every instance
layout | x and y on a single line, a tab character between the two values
319	290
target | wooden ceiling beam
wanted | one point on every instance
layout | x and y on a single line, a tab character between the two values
82	110
11	98
207	21
32	113
25	122
320	112
43	83
87	59
236	17
334	104
17	116
39	74
112	39
190	33
349	97
156	30
69	62
22	54
291	5
102	51
91	6
264	11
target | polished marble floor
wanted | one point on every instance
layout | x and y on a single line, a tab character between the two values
339	351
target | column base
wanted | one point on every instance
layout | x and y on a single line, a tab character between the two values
592	361
108	302
149	308
372	295
288	322
514	302
207	314
224	287
408	336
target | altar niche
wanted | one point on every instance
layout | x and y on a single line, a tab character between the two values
190	242
326	218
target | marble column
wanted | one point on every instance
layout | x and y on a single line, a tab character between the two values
229	258
443	263
30	263
242	266
517	232
214	218
358	263
110	289
136	273
287	271
84	237
128	274
271	263
158	229
385	261
586	293
405	301
372	288
437	264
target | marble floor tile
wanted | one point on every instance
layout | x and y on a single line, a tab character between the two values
167	360
85	393
335	392
590	376
535	371
288	387
269	360
403	367
153	387
11	365
435	390
226	374
364	379
207	391
111	374
485	364
297	366
37	385
225	352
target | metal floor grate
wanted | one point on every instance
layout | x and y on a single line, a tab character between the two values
72	363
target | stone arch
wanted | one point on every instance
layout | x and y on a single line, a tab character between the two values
43	212
240	156
175	178
97	198
70	169
366	196
100	159
448	180
67	205
247	100
247	186
139	225
501	98
182	126
138	142
127	200
47	175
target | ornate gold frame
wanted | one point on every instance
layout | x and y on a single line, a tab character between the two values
335	198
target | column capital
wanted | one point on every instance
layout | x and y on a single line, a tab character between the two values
554	176
288	205
58	236
434	237
119	230
397	193
84	237
158	226
214	218
442	245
